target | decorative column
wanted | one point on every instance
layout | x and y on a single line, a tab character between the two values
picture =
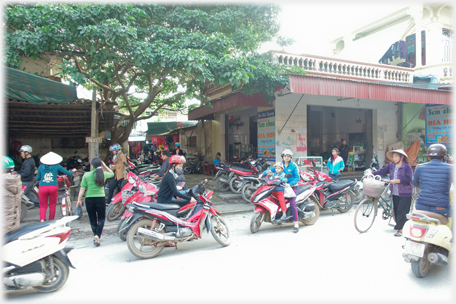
417	14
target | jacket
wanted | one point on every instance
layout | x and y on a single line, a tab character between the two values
168	189
434	180
119	168
47	174
338	165
27	171
291	168
163	168
180	152
404	174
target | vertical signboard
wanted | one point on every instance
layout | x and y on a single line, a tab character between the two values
266	135
439	125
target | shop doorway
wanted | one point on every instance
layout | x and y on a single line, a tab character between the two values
327	126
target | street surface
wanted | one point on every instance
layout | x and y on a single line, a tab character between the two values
327	262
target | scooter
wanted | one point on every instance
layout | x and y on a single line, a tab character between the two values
235	179
267	206
221	177
427	241
35	256
155	225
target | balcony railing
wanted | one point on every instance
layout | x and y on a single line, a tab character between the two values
333	67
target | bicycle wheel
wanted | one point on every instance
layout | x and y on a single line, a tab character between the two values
365	214
68	206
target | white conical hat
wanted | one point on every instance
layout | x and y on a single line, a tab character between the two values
51	158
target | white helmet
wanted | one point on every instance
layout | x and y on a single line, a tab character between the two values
287	152
279	164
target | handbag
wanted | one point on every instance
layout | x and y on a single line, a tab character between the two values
78	212
289	193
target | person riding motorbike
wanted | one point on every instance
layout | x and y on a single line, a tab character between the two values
27	172
120	172
168	187
290	167
434	180
279	191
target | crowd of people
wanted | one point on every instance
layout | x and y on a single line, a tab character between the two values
434	179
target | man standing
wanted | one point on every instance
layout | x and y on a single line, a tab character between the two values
120	171
344	149
164	167
434	180
27	172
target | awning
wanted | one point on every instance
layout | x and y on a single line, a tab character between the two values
228	102
157	128
315	85
35	89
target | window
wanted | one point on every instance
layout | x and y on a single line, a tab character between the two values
172	115
192	141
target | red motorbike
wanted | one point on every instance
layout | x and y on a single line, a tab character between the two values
267	206
235	180
155	225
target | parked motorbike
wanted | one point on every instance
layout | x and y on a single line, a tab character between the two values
236	173
427	241
156	225
267	206
35	256
221	177
193	166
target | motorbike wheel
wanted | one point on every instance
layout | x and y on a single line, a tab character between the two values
246	192
220	231
349	200
115	211
365	214
23	211
187	170
123	234
61	273
256	221
143	247
222	186
421	267
314	219
235	184
358	196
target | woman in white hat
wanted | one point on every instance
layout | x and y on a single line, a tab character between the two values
401	175
47	175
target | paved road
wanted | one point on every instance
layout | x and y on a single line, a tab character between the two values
327	262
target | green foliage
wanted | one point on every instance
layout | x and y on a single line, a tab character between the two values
169	52
193	106
284	41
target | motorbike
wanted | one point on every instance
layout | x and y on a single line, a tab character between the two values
427	241
333	195
76	162
237	173
193	166
35	255
144	196
221	177
155	225
267	206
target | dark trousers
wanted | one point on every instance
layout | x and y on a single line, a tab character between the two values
401	207
96	210
27	191
115	183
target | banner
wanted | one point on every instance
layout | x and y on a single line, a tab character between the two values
439	125
266	135
301	146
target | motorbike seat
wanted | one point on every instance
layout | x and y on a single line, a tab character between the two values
443	220
303	188
326	185
162	207
334	187
243	169
14	235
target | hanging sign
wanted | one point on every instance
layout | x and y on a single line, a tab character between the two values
266	135
439	125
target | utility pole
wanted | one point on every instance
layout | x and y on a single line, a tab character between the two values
93	140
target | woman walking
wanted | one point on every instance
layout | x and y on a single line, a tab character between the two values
47	175
93	182
401	175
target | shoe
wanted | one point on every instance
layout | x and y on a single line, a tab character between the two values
96	241
398	233
283	218
295	229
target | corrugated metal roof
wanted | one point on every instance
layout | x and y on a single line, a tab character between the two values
317	85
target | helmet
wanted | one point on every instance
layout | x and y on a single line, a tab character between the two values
177	159
178	144
26	148
8	163
279	164
438	150
287	152
114	147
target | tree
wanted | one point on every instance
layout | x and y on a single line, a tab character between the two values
168	52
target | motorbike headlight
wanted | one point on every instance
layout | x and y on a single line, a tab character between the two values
131	180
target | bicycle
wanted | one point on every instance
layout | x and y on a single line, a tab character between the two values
367	209
64	198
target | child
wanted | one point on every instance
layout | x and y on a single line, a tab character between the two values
279	191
